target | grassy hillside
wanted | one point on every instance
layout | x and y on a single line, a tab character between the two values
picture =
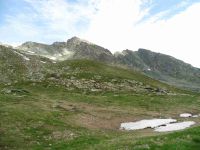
156	65
80	104
101	73
16	66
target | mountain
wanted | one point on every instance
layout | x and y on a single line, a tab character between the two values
74	48
54	51
162	67
75	75
158	66
84	49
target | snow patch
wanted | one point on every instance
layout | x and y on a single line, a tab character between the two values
185	115
43	62
31	52
59	55
26	58
145	124
149	69
52	57
64	55
23	56
195	116
175	126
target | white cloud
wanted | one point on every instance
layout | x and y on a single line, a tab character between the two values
116	27
113	22
109	23
61	16
46	21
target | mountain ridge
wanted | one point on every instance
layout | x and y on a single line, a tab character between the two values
159	66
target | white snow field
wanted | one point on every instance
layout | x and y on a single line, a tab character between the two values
142	124
175	126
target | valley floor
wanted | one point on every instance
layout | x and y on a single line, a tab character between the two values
49	117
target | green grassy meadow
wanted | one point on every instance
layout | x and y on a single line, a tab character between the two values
49	116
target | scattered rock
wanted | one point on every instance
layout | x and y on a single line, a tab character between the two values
146	146
59	135
14	91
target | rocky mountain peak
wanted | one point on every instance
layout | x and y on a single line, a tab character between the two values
127	51
77	40
86	50
143	50
31	45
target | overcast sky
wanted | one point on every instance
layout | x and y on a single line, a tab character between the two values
167	26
